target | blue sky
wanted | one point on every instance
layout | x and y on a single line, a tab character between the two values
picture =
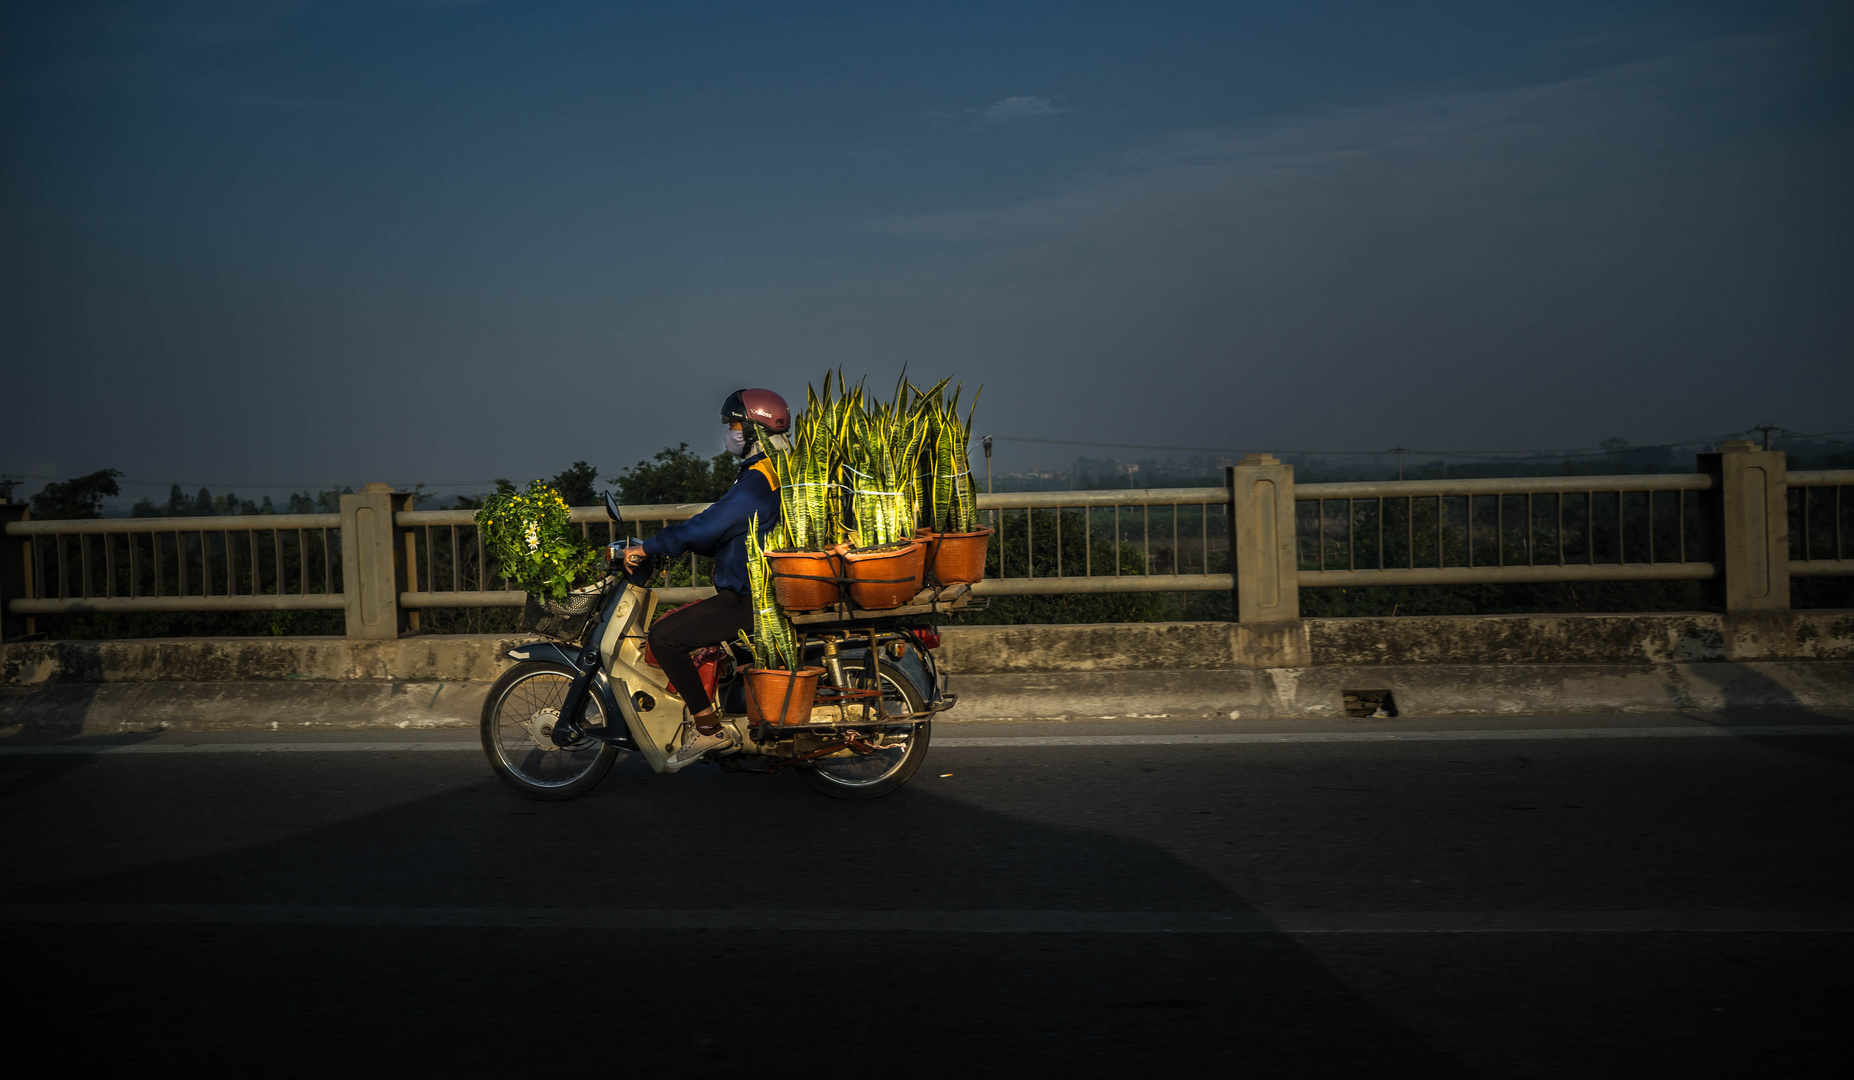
304	243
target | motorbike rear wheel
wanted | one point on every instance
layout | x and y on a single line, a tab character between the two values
518	721
871	776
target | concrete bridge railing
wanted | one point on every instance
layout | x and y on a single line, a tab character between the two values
1742	523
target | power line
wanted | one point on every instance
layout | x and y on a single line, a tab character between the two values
1376	453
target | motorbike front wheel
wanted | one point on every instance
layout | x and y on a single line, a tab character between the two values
870	776
518	723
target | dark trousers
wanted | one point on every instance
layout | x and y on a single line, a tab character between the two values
719	618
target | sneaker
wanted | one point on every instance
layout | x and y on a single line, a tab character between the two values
698	745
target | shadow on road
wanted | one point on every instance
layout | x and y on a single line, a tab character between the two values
217	999
1750	693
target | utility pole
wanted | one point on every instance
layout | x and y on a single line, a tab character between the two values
1400	451
1766	427
986	443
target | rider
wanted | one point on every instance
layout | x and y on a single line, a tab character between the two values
754	419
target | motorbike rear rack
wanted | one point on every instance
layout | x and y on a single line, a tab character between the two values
933	600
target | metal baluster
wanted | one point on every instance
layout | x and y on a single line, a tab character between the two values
1529	527
1087	544
1029	542
1380	532
328	571
180	561
1352	536
1590	527
154	552
1116	540
1558	501
1499	530
1319	540
1439	559
1470	538
482	563
1838	548
1058	541
455	562
1145	527
1680	516
1203	524
134	577
1805	524
1175	569
231	575
1409	524
1650	497
1621	557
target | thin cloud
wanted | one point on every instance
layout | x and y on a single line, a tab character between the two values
1015	108
1320	148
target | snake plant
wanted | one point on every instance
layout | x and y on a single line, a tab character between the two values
774	642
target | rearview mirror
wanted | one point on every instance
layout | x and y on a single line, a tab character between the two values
611	507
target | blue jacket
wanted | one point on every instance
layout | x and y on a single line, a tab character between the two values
720	531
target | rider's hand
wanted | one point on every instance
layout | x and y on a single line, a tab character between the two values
633	556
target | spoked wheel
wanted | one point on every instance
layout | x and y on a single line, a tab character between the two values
897	753
518	727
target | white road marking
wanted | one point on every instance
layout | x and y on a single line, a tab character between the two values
952	922
1512	734
1010	742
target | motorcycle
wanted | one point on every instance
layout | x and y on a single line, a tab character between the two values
554	724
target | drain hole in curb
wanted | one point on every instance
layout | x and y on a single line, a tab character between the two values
1369	704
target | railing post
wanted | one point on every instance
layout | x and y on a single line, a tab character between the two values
1262	555
1747	524
373	564
15	573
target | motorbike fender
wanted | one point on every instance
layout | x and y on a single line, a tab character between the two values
543	650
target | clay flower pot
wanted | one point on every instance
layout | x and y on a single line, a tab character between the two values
804	580
959	558
781	697
886	576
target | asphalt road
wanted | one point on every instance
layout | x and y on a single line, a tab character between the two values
1472	905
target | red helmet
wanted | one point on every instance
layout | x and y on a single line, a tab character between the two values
762	407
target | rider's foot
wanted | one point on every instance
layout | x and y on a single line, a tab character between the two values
699	743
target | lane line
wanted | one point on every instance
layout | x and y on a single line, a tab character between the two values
1007	742
1513	734
950	922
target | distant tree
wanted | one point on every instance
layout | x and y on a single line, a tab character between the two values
677	475
78	497
575	484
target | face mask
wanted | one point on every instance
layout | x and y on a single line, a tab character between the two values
735	441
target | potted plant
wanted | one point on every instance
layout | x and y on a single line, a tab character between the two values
950	506
805	569
530	536
882	441
780	689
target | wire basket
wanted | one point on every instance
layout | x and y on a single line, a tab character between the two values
562	619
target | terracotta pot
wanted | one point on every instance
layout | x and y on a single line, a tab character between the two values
799	579
886	576
781	697
959	557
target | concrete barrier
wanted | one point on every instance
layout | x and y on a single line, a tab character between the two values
1433	666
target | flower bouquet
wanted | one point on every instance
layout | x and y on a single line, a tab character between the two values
538	550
